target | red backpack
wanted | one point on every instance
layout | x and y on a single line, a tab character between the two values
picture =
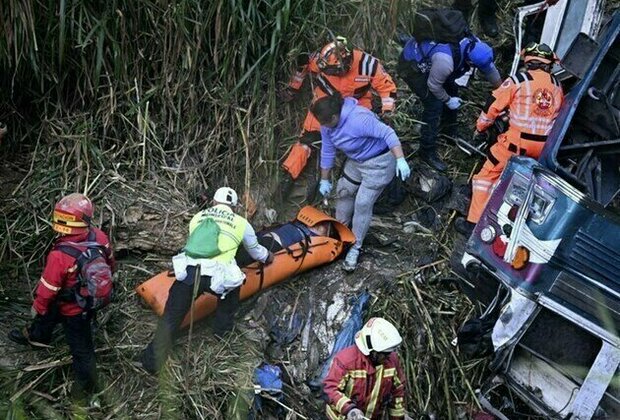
94	286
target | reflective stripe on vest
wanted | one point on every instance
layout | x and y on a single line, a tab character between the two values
536	103
232	227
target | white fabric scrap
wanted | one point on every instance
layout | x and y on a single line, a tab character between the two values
224	277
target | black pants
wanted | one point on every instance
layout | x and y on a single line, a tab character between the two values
486	8
434	110
78	334
179	302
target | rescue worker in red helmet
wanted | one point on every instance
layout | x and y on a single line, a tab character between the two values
336	68
356	372
55	302
533	99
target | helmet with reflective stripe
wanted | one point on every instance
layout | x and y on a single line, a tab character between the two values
226	195
72	214
335	58
377	335
538	52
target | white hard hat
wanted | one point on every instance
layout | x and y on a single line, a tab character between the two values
226	195
377	335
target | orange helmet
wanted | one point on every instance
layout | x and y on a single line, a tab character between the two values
72	214
335	58
538	52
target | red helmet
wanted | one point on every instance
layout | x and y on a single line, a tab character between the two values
335	58
72	214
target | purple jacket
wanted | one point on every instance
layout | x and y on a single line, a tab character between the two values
359	134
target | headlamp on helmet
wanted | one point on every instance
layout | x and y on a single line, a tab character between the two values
335	58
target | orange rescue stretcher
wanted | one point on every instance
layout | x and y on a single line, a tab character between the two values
297	258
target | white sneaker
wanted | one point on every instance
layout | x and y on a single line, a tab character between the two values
350	261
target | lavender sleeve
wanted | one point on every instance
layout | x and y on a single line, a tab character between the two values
371	126
328	150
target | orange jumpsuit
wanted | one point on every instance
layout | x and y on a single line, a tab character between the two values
365	75
533	99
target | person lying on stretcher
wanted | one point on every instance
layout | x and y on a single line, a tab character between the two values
277	238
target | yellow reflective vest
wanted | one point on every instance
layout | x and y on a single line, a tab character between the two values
232	227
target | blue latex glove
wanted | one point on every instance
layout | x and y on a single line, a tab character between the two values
402	168
325	187
454	103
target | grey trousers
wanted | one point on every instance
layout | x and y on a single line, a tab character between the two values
358	189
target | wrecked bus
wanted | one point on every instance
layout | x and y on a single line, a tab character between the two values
550	238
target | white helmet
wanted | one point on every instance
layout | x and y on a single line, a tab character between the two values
377	335
226	195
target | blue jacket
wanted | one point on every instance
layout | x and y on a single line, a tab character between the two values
471	50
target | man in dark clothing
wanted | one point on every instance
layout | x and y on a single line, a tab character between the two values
486	14
431	69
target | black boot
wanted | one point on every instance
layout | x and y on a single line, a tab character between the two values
283	189
23	337
489	25
464	227
432	159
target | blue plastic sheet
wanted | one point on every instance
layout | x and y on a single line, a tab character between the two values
345	337
267	378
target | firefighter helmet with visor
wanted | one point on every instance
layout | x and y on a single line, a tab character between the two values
377	335
335	58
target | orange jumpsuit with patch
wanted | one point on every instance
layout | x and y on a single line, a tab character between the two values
365	76
533	99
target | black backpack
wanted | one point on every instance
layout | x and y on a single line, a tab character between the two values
94	286
391	197
445	26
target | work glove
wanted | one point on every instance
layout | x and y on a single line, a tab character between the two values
454	103
269	258
33	312
325	187
355	414
402	168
